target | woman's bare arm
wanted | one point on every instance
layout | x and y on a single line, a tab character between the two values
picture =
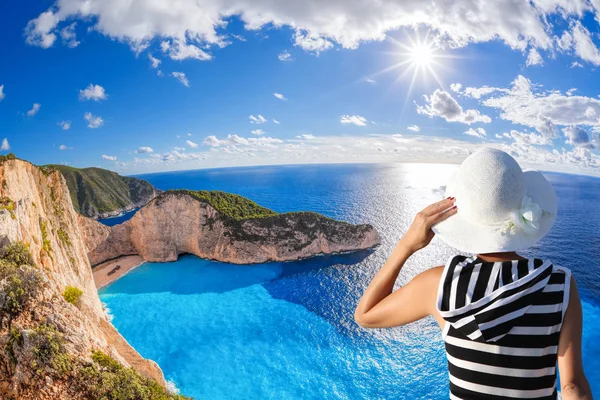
573	383
379	307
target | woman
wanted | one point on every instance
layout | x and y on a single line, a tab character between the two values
506	320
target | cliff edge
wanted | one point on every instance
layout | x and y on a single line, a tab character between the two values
55	339
224	227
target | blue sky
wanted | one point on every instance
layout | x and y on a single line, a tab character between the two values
517	75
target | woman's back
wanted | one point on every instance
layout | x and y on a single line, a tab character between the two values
503	322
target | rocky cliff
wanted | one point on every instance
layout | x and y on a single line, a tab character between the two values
223	227
100	193
55	340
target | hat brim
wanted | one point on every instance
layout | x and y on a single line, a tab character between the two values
470	237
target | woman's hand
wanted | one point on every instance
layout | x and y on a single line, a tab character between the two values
419	234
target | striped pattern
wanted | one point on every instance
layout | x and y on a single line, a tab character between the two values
502	328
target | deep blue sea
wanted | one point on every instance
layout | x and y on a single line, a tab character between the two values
286	330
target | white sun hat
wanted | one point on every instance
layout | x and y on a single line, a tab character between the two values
499	206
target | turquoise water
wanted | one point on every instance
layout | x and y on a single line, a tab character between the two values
286	330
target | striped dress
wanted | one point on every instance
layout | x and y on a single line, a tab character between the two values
503	322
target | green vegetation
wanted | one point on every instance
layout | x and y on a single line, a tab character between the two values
47	346
22	285
230	205
72	294
64	236
15	337
46	246
9	156
16	253
106	379
8	205
21	281
95	191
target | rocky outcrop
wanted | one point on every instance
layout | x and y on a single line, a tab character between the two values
177	222
36	209
100	193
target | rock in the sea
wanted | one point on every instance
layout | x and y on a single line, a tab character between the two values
223	227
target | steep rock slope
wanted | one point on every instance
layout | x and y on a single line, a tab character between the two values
36	213
99	193
223	227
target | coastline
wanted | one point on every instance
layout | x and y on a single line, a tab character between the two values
127	263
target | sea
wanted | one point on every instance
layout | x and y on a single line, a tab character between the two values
285	330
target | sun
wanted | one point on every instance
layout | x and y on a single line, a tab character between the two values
421	55
417	58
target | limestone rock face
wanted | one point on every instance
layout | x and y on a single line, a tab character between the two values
176	223
41	215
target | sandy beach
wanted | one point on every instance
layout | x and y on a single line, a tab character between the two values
101	271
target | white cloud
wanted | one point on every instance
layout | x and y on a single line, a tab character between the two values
39	31
583	45
306	136
93	122
34	110
477	93
576	64
179	50
285	56
144	149
525	104
2	94
279	96
577	136
276	121
353	119
528	138
109	158
456	87
93	92
66	125
477	132
413	128
154	62
534	58
191	144
64	147
370	80
192	26
442	104
179	148
257	132
311	41
211	141
180	76
5	146
68	35
257	120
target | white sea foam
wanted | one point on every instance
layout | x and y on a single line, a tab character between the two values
171	387
107	312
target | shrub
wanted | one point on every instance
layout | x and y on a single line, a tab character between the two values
72	294
45	241
7	268
231	205
20	287
48	350
106	379
7	204
17	253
